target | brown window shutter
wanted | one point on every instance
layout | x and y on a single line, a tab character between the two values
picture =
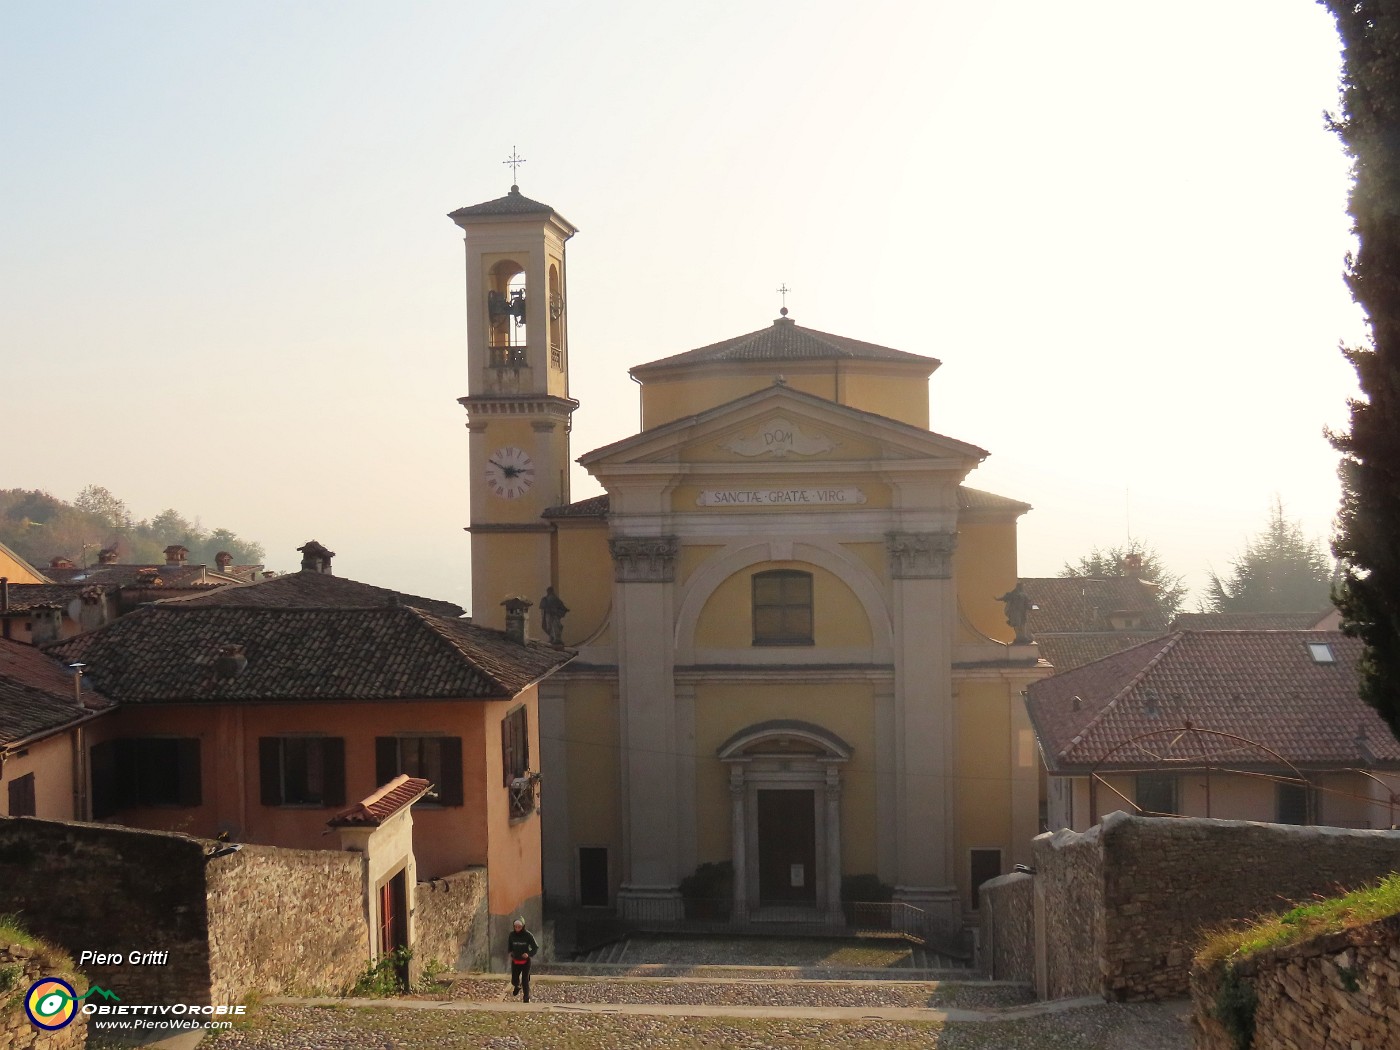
450	790
191	781
270	769
386	759
333	759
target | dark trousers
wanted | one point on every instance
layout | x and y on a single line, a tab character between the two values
520	977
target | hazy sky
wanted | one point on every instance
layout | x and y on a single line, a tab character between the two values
230	286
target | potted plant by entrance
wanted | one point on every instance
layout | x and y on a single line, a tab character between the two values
709	892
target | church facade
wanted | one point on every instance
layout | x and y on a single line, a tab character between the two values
792	654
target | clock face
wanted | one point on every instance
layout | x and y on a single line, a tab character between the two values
510	472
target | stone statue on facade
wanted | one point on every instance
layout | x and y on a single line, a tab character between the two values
1018	608
552	613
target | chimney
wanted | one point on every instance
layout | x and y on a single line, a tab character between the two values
77	670
231	661
4	594
107	555
315	558
175	555
1132	566
516	608
60	562
223	560
46	624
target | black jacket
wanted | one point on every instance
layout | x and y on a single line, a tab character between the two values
521	944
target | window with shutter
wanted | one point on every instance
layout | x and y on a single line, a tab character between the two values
302	771
437	759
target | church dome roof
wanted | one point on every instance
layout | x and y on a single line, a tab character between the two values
785	340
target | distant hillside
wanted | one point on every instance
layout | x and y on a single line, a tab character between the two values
39	526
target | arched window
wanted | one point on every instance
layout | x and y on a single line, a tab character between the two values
782	607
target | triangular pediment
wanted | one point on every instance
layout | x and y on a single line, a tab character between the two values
782	428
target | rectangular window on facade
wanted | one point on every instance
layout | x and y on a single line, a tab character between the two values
985	864
782	607
1157	793
1293	804
437	759
21	792
515	761
145	771
302	770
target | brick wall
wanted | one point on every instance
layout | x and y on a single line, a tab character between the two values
1124	905
285	921
450	921
1008	927
19	968
1340	989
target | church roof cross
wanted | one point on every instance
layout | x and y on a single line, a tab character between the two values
783	291
515	160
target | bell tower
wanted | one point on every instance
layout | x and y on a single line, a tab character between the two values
518	404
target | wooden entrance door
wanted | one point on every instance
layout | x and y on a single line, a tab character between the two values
393	920
787	847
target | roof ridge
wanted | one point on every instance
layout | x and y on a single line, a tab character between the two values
1132	683
440	627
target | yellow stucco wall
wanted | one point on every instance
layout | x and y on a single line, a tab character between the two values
726	621
896	393
504	565
594	772
846	709
51	762
986	567
16	570
583	579
983	786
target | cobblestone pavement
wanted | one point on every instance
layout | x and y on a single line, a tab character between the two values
802	953
769	990
288	1027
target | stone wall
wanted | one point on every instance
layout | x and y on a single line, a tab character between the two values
1340	989
1069	917
450	922
1008	927
94	887
20	967
285	921
260	919
1122	908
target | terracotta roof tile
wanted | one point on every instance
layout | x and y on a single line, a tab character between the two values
134	575
785	340
1256	621
315	590
36	694
513	203
1067	651
374	810
1264	686
592	507
169	652
25	596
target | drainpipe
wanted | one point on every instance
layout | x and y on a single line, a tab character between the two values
5	606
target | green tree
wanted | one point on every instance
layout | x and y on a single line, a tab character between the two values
1368	523
100	503
1137	559
1281	570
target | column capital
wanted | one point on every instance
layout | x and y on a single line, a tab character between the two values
921	555
644	559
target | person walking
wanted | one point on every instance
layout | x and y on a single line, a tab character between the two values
521	946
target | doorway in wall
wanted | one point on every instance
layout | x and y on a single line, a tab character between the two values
787	846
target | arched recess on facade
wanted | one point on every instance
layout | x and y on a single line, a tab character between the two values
788	856
850	570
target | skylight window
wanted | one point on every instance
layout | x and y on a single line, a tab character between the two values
1322	653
